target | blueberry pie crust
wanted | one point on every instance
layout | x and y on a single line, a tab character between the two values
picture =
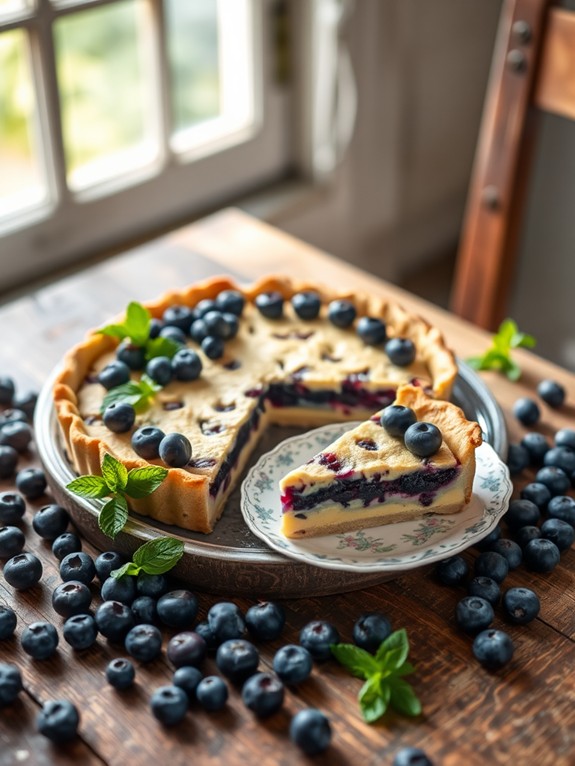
276	352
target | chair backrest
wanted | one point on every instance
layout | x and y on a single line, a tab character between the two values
533	69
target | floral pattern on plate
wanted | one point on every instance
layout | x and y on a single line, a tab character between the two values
389	548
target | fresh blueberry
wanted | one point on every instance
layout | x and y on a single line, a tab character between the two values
265	621
31	482
370	630
173	334
159	369
452	571
226	621
80	631
12	542
144	610
78	566
175	450
146	442
156	326
7	389
169	704
50	521
270	305
178	608
154	585
8	461
40	640
213	347
396	419
203	629
341	313
486	543
70	598
237	659
561	457
122	589
216	324
205	305
491	564
292	664
525	534
119	417
541	555
317	637
178	316
14	415
231	327
23	571
371	330
473	614
120	673
186	648
526	411
107	562
7	622
565	437
263	694
144	643
133	356
562	507
521	605
559	532
212	693
10	683
230	302
114	374
401	351
485	587
26	401
493	649
306	305
16	435
551	392
537	493
555	479
411	756
67	542
58	721
188	678
310	730
114	620
199	330
522	513
517	459
186	364
423	439
510	550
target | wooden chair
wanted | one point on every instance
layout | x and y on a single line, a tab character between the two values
533	69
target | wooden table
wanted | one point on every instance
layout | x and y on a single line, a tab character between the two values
524	714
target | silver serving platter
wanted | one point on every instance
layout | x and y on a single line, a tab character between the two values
231	560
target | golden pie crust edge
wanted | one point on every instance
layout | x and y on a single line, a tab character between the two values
183	499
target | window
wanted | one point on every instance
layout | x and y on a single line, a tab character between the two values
118	117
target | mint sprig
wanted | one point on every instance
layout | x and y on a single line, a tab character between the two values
154	557
136	325
498	355
383	675
117	483
138	393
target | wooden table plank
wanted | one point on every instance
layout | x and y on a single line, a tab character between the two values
523	714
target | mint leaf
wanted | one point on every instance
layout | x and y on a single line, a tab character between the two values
498	355
143	481
113	516
127	569
161	347
115	473
136	393
114	331
522	340
402	697
137	323
148	387
89	486
159	556
373	699
393	651
359	662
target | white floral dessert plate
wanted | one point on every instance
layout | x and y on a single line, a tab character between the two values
391	548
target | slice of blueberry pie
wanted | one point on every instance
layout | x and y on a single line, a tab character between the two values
413	457
192	380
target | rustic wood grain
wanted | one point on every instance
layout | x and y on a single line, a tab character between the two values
555	87
523	714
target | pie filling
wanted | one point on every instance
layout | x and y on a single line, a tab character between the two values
419	486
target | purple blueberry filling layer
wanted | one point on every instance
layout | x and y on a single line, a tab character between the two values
422	484
297	394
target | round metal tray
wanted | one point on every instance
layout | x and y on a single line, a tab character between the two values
231	560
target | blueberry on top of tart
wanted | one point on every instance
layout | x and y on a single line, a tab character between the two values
380	472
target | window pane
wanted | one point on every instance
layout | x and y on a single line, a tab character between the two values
107	117
210	47
8	7
22	183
